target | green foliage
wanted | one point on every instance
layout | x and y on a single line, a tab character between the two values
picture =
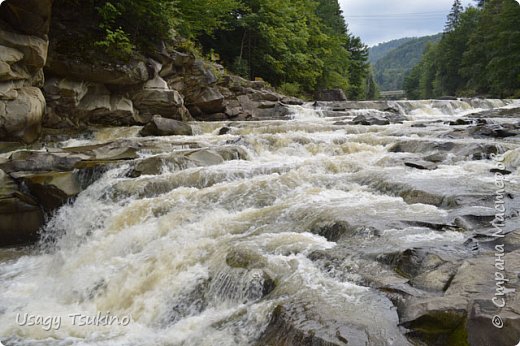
290	89
378	51
454	16
478	56
117	44
240	66
205	16
302	42
144	22
391	69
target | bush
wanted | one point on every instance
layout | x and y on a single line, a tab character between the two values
291	89
240	67
117	44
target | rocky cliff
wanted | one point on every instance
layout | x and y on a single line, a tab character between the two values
24	25
42	84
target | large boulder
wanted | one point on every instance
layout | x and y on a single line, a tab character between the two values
157	98
34	48
206	101
160	126
466	314
76	103
21	117
20	215
100	106
51	189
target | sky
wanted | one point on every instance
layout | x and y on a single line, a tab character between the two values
377	21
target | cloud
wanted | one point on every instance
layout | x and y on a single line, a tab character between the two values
378	21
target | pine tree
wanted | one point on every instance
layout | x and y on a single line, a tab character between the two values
454	16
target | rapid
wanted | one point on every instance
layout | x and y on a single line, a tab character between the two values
290	237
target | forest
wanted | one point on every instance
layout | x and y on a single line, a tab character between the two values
477	55
298	46
391	68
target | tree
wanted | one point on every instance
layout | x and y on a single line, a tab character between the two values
454	16
205	16
300	44
479	55
358	70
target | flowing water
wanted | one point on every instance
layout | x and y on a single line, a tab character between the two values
204	254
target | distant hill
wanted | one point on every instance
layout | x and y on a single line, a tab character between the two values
391	69
377	52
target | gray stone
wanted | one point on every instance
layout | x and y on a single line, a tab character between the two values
208	100
34	49
160	126
20	215
20	118
51	189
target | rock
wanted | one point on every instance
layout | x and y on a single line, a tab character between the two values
107	152
174	60
186	159
34	48
38	161
208	101
513	112
99	106
231	152
73	103
444	326
285	329
292	101
224	131
118	75
20	119
51	189
240	285
160	126
365	119
464	314
10	55
412	262
156	164
331	95
333	231
494	130
422	165
279	111
460	122
20	215
157	98
266	104
245	258
206	157
264	95
501	171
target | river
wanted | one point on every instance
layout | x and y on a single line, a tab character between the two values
293	240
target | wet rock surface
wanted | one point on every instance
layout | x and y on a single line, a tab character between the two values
20	213
160	126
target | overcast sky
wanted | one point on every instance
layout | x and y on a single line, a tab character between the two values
378	21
